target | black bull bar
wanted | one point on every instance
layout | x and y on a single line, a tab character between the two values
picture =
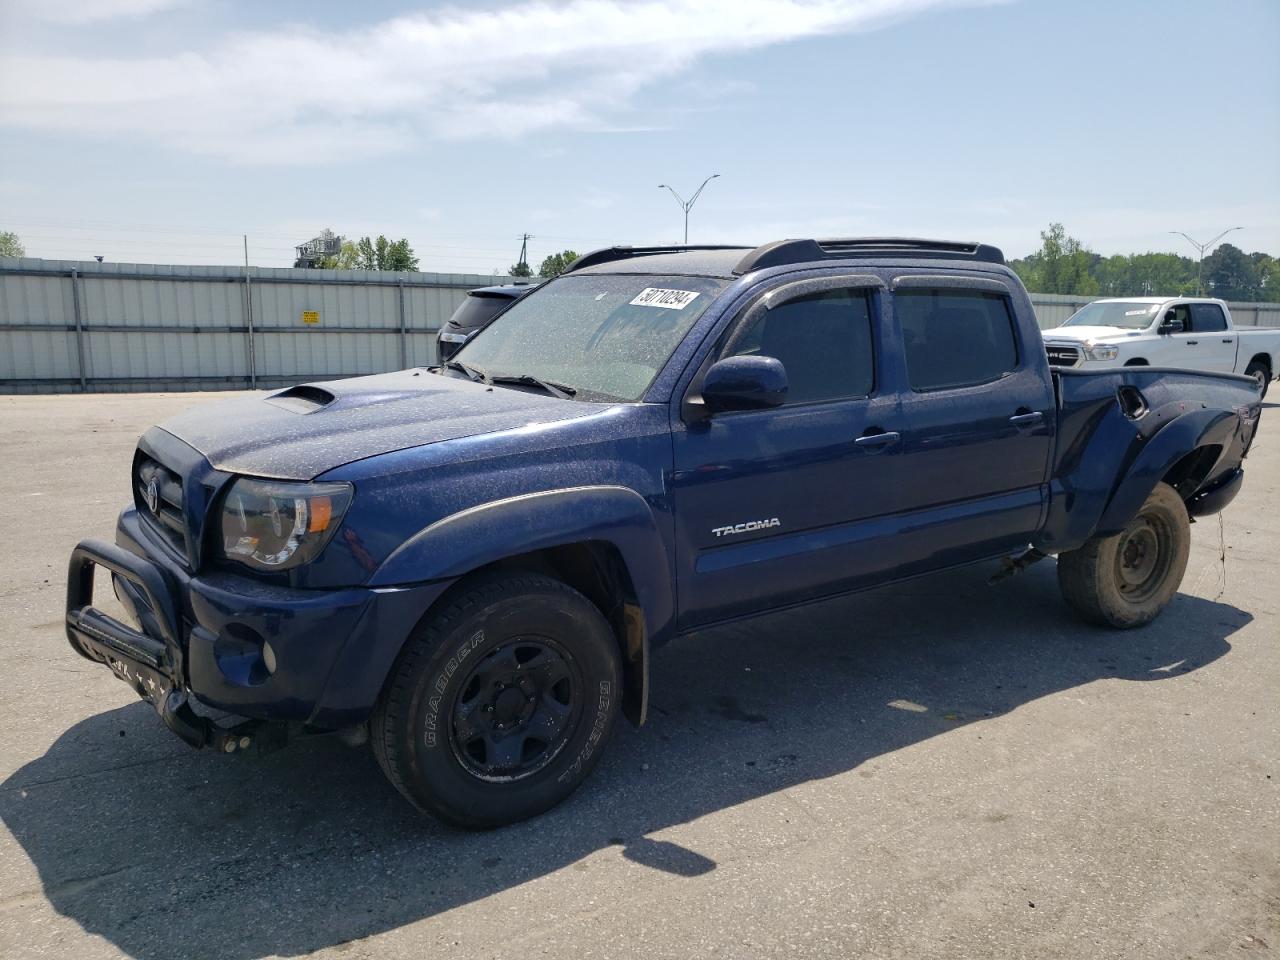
149	660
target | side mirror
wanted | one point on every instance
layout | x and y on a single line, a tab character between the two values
744	383
1170	324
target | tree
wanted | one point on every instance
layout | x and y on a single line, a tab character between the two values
380	254
521	269
10	245
1230	275
555	264
1061	265
348	258
1268	277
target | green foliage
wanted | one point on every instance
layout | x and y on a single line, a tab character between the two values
10	245
1061	265
521	269
348	258
380	254
1064	265
555	264
1230	275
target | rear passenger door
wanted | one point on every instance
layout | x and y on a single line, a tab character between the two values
1210	343
977	416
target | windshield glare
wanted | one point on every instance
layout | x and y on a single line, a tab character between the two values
605	335
1126	314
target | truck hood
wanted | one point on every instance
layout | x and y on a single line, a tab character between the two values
304	431
1096	334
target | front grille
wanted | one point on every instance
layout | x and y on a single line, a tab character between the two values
159	498
1061	355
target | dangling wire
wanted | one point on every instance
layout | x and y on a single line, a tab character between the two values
1222	555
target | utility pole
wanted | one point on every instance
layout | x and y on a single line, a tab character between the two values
687	205
1202	247
524	254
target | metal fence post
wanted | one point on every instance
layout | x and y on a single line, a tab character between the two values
404	335
248	317
75	302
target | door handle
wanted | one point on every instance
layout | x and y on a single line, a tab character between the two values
1227	340
877	440
1022	419
1192	343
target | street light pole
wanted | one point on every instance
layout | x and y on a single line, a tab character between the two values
1202	247
687	205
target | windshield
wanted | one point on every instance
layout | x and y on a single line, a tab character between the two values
1118	313
604	335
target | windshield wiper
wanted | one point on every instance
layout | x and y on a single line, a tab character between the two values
471	373
561	391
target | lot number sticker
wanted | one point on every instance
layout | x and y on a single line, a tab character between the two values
310	317
667	299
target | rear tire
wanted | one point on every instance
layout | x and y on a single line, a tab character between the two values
1260	372
1126	580
501	703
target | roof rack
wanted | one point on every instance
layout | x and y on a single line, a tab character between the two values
609	254
782	252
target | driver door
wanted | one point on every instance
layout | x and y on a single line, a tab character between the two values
773	506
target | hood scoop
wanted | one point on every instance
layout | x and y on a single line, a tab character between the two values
304	398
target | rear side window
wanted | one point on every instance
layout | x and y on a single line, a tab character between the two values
476	310
823	341
955	338
1207	318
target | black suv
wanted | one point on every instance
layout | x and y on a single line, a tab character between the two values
474	314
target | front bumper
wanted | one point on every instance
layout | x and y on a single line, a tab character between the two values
313	657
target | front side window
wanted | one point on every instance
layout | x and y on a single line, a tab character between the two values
605	335
823	342
955	338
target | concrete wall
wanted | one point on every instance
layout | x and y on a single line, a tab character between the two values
74	326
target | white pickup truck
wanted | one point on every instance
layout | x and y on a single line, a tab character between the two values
1187	332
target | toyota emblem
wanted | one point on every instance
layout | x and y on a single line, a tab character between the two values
153	496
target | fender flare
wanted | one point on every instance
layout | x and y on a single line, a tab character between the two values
1184	435
483	534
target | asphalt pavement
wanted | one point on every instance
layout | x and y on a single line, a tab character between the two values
937	769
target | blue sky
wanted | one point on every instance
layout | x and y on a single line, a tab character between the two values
162	130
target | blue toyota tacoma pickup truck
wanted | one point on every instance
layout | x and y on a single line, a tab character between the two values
472	564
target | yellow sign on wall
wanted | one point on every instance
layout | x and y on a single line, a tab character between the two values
310	317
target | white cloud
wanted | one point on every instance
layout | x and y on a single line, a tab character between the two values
301	93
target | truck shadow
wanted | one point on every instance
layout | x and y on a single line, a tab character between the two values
165	852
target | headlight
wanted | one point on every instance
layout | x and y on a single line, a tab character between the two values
1101	351
270	525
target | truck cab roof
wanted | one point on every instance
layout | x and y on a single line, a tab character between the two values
731	261
1159	300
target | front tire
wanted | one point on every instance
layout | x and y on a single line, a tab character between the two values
501	703
1125	580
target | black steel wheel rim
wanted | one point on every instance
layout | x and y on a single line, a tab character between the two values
1143	557
517	709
